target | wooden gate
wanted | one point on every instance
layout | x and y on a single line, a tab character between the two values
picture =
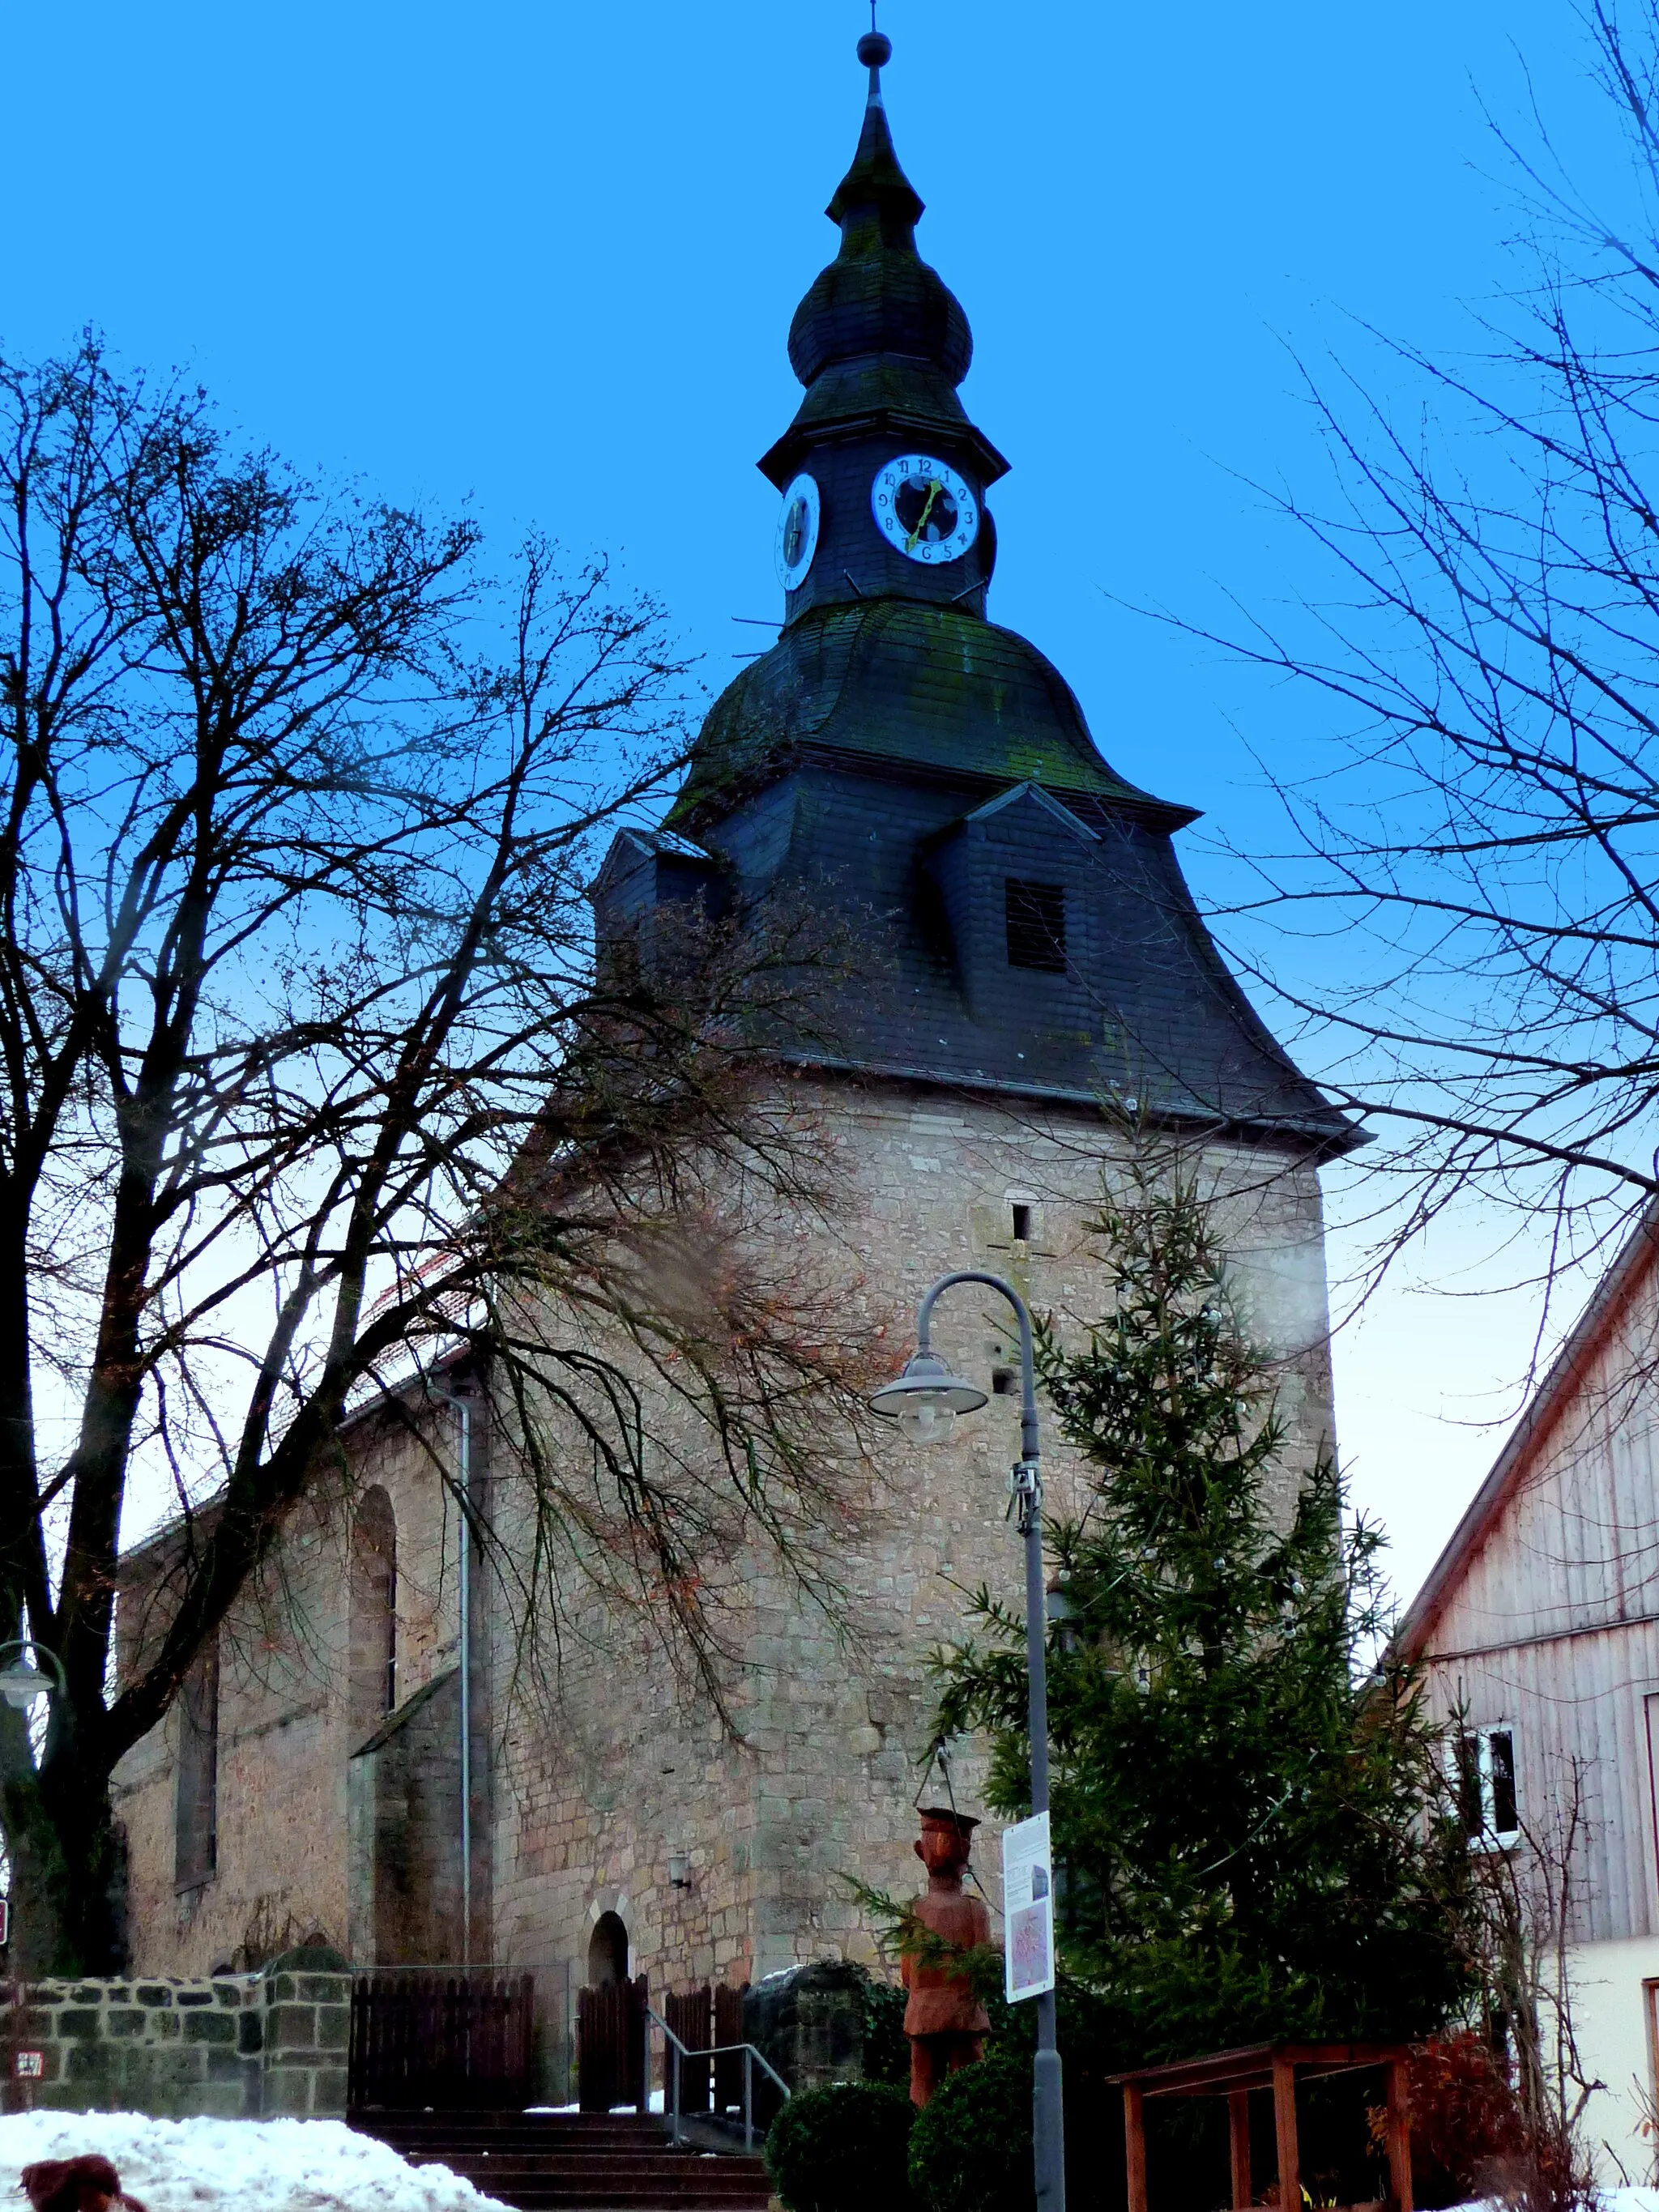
610	2026
455	2042
688	2012
728	2029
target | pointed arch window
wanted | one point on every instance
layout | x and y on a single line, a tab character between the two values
373	1609
196	1802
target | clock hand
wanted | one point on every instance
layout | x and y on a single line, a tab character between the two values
933	491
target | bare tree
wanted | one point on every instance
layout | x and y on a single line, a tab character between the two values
1531	1905
307	1074
1469	908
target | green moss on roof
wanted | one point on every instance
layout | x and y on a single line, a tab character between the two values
932	687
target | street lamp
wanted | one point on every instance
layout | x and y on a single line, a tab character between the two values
925	1401
22	1683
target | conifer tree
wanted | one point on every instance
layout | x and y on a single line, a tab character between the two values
1250	1820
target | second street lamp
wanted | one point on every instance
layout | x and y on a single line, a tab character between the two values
925	1401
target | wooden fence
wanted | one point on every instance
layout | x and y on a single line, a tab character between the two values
457	2042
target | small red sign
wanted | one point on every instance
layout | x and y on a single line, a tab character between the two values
30	2065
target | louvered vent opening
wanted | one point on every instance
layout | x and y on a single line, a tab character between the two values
1037	925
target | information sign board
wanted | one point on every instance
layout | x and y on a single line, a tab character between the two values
1027	1909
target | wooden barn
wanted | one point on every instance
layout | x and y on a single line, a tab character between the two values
1539	1627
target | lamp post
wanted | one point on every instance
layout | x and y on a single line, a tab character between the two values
925	1401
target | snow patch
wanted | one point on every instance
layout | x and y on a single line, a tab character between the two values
238	2166
1626	2199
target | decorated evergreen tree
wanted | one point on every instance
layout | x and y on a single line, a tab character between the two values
1250	1821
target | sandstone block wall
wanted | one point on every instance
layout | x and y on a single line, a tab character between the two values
307	2037
289	1728
596	1760
614	1767
227	2047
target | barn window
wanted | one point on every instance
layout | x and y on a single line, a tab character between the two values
1486	1793
373	1609
1036	918
196	1809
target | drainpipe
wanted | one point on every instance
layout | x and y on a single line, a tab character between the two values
465	1594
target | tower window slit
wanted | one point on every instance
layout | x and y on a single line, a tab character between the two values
1036	918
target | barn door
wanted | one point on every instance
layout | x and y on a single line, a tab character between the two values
611	2027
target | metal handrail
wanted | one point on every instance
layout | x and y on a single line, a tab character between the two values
680	2051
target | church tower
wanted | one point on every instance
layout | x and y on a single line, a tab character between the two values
928	778
926	781
1024	954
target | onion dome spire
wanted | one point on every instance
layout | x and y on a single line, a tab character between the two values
875	177
879	333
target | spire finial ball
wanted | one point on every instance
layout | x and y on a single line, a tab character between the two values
875	50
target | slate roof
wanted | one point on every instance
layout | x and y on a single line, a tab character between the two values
880	338
901	761
935	687
910	870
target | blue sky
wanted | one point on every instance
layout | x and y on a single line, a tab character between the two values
543	258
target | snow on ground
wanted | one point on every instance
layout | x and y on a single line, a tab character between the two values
1609	2200
240	2166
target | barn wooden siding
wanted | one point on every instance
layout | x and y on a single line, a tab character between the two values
1552	1621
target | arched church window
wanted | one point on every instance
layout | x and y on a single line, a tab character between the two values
373	1608
607	1951
195	1800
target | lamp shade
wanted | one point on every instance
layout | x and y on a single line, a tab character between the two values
926	1398
21	1684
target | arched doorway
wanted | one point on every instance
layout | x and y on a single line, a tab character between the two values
607	1952
610	2024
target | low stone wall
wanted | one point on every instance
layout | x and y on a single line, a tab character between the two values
308	2036
239	2047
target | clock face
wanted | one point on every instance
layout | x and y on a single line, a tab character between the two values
924	508
798	533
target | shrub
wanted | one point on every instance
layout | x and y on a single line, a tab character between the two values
970	2150
842	2149
886	2046
1466	2124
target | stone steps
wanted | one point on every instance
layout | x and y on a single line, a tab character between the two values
574	2161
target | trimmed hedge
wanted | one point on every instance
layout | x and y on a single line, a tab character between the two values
970	2150
842	2149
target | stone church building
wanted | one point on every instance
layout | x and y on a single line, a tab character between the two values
371	1763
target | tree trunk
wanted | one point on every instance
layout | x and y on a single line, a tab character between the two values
68	1872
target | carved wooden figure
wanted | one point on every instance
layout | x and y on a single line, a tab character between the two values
944	2020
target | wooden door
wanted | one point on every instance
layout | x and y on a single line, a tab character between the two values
610	2026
